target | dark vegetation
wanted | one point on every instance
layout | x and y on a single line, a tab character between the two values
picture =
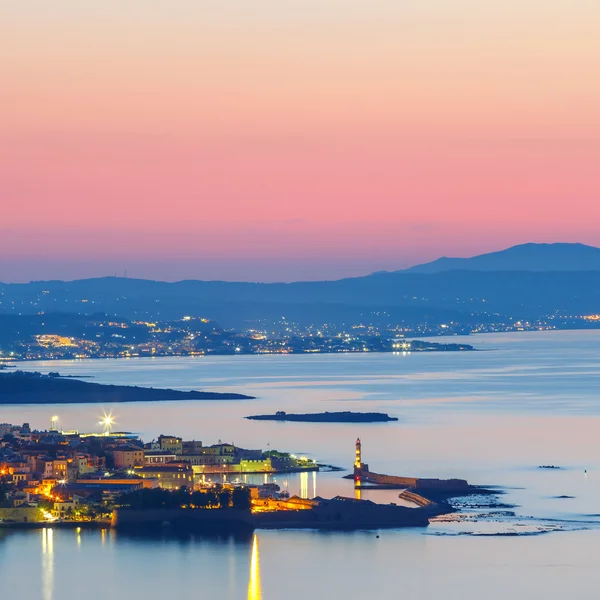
5	488
158	498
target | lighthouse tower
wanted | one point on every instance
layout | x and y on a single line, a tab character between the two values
358	459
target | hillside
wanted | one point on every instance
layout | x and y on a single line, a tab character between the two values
511	282
525	257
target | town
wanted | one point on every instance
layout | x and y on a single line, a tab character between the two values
70	477
76	336
43	337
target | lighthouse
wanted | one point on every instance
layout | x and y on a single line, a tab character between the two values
358	459
360	468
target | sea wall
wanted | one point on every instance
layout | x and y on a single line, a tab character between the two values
198	519
21	515
418	483
442	484
347	514
380	479
416	499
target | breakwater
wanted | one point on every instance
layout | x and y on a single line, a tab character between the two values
230	519
363	475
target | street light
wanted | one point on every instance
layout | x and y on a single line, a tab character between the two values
107	422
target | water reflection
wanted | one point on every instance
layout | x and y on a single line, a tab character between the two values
304	484
47	564
254	588
357	493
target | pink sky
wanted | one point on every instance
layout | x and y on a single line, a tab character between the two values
281	141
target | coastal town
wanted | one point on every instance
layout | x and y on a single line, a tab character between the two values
52	475
67	336
114	479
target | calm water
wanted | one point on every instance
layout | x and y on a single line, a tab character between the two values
491	417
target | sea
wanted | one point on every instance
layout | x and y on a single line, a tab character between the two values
495	416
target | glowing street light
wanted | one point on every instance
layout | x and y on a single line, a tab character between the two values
107	423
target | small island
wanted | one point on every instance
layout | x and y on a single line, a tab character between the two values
326	417
23	387
420	346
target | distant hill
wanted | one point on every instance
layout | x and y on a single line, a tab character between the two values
525	257
524	282
391	297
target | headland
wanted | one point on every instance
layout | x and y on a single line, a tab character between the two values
115	479
22	387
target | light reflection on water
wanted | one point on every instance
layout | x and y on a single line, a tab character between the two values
254	589
304	485
48	563
319	564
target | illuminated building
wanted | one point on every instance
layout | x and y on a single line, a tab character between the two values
170	443
171	476
126	457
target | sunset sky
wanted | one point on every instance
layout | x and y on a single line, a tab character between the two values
297	139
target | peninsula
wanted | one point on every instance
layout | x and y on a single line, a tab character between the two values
326	417
35	388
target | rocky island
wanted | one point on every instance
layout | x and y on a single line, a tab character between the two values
35	388
326	417
420	346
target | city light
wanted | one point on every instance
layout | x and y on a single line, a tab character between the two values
107	423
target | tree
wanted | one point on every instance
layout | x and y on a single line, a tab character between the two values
47	505
199	499
224	498
240	498
4	491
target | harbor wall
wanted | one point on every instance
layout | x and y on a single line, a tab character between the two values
200	518
417	483
22	515
348	514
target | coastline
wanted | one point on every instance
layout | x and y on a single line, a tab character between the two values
21	360
20	388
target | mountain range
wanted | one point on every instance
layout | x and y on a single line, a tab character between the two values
524	257
527	281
